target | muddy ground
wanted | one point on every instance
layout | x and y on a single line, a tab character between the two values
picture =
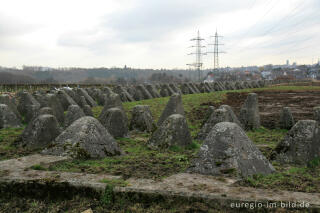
271	103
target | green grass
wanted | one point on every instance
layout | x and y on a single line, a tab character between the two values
7	138
305	179
139	161
108	202
157	105
263	136
267	139
314	163
195	103
38	167
286	177
8	135
142	162
195	106
96	111
291	87
292	178
281	88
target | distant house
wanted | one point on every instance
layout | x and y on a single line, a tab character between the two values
314	73
267	75
209	78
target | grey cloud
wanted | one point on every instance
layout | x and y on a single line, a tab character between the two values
10	29
149	22
83	38
294	28
154	19
304	13
10	26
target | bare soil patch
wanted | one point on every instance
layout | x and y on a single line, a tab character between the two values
272	102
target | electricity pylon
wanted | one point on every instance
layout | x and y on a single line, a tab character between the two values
216	51
198	52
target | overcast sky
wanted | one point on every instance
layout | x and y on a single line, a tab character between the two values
156	33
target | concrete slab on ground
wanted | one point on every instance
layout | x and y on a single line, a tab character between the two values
183	184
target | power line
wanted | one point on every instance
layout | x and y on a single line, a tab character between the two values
276	25
285	38
264	15
255	24
299	48
289	15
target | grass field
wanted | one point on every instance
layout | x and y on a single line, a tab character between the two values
141	162
158	164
